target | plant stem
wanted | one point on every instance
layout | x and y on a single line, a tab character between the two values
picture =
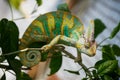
103	41
80	63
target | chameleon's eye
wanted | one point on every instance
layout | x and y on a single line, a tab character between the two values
87	47
93	41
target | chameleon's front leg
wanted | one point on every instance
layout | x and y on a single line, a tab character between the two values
61	39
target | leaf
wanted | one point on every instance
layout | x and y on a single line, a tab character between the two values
15	3
107	53
56	62
106	77
85	79
107	67
16	67
98	63
39	2
63	7
118	72
116	50
3	77
9	38
73	72
96	77
25	76
115	31
2	58
99	27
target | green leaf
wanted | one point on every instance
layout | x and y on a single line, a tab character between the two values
9	37
95	75
99	27
85	79
106	77
107	67
115	31
39	2
97	64
73	72
56	62
16	67
118	72
3	77
2	58
107	53
63	7
15	3
25	76
116	50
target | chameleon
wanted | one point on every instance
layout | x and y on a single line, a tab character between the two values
56	27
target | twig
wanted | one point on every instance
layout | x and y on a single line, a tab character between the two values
103	41
79	62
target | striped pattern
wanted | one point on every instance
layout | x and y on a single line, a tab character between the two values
50	24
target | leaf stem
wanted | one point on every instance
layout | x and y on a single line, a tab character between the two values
103	41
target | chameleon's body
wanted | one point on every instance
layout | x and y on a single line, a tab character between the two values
59	27
50	25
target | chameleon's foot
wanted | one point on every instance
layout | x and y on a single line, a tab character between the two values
45	48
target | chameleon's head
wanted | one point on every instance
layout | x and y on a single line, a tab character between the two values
90	48
89	45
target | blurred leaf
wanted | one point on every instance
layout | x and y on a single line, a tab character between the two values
98	63
16	67
116	50
73	72
95	75
106	77
39	2
25	76
99	27
3	77
63	7
15	3
115	31
118	72
107	53
85	79
56	62
107	67
9	37
2	58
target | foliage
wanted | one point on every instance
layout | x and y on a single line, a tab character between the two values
16	3
105	69
9	40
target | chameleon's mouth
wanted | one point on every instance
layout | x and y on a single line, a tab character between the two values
92	50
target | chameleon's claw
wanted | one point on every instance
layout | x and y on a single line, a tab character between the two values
45	48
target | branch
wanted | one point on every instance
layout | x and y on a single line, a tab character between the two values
78	61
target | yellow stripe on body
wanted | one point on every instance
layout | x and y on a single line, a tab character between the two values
40	25
67	21
51	23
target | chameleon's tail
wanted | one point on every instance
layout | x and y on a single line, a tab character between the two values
30	58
